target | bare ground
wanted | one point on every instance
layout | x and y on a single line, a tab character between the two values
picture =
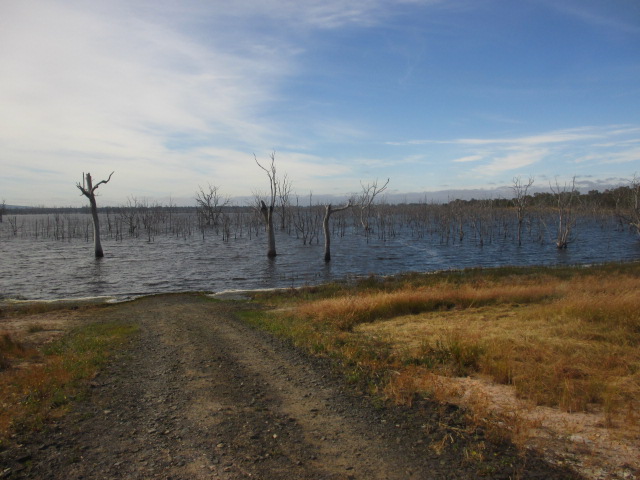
200	395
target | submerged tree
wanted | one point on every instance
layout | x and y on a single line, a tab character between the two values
210	204
267	211
329	210
630	212
565	198
285	187
88	190
520	200
365	201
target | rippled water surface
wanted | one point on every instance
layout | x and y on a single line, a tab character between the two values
48	269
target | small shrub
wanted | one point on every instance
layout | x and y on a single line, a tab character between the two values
35	328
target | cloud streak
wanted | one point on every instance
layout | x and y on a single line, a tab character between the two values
495	155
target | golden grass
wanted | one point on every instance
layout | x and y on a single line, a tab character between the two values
347	311
566	338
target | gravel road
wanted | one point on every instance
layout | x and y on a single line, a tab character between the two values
201	395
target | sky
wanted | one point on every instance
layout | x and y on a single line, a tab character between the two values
435	95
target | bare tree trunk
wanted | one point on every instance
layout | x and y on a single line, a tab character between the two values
267	213
97	245
325	226
88	190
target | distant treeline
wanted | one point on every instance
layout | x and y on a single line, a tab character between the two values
608	199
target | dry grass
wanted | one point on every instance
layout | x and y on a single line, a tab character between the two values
566	342
38	384
345	312
11	351
518	347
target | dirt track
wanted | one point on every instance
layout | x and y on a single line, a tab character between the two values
200	395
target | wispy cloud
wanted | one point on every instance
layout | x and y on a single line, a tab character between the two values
559	136
614	16
468	158
512	161
497	155
323	14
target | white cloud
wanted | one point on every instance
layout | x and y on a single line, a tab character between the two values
323	14
468	158
559	136
512	161
496	155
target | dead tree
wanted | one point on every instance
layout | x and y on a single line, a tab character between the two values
209	205
306	221
520	201
565	199
325	226
365	201
629	208
88	190
267	211
284	193
3	209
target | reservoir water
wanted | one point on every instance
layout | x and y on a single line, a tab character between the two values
36	268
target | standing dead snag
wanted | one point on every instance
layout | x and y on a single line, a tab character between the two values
88	190
325	225
284	192
365	201
628	209
520	201
267	211
209	205
565	198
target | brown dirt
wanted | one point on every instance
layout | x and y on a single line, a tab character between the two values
200	395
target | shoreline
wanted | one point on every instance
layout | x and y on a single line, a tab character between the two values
347	279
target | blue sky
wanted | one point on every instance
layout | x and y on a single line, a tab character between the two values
433	94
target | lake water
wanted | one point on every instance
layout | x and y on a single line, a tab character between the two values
48	269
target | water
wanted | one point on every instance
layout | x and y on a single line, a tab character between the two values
48	269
